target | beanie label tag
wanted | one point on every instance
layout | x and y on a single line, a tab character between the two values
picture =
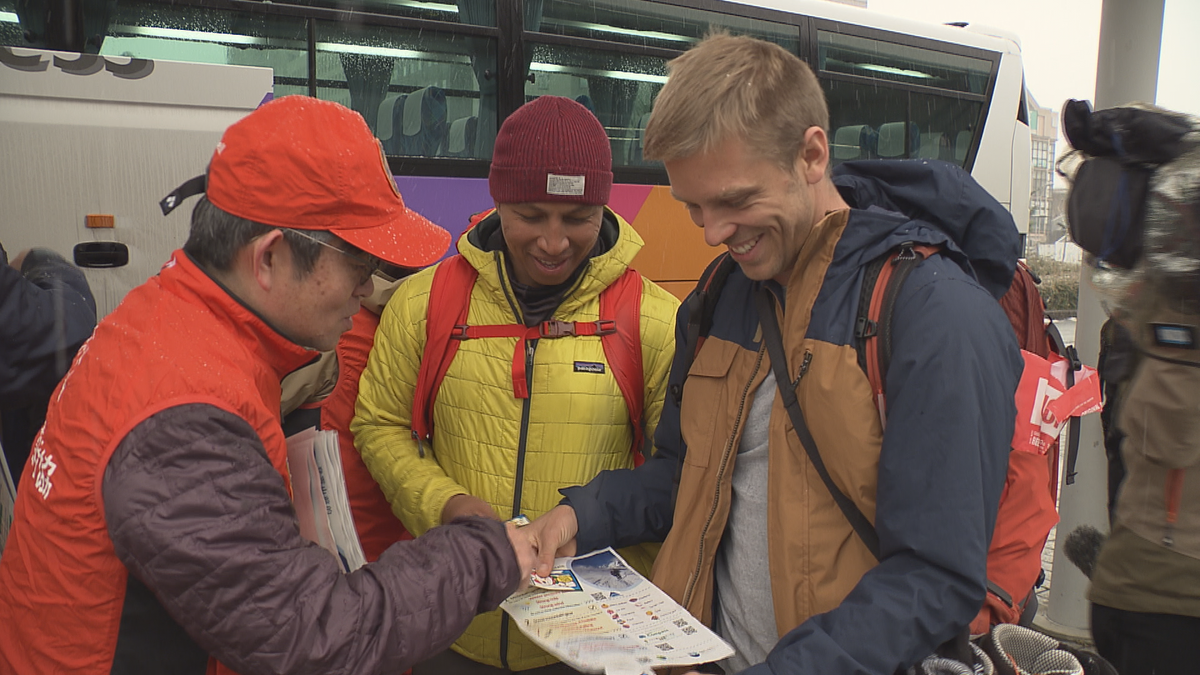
567	186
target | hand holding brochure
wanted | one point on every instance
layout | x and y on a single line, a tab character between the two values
319	495
598	615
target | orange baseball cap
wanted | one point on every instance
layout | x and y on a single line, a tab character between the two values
309	164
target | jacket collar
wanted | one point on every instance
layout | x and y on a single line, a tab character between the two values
182	277
602	270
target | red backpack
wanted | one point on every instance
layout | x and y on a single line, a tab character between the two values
1027	510
619	328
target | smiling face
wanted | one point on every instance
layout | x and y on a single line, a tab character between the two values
761	212
548	241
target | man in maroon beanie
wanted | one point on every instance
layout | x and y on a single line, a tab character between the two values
154	530
533	396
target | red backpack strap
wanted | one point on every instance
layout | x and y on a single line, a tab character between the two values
1023	306
620	337
874	328
453	280
479	218
622	302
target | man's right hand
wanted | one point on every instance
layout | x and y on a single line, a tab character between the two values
553	536
464	505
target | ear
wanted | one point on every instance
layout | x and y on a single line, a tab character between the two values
813	158
268	259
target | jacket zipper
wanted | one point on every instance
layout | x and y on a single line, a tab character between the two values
712	513
519	478
530	346
524	438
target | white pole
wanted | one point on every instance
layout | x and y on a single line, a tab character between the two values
1126	71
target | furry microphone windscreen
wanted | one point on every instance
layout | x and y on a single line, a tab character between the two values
1082	547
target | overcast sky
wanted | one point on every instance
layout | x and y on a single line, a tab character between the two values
1059	43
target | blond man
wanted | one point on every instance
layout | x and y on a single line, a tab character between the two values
756	545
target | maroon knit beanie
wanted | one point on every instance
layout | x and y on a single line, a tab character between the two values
551	149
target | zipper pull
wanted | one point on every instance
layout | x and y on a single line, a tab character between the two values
906	252
420	447
803	368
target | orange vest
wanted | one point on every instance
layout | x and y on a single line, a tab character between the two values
177	339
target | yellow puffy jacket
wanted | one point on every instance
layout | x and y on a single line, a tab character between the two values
513	453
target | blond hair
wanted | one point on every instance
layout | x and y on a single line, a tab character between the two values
735	87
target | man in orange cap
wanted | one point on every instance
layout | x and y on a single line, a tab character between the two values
154	531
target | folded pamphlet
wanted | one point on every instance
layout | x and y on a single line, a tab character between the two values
319	496
598	615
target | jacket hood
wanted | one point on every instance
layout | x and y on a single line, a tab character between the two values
942	196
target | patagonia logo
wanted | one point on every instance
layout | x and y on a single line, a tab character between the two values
589	367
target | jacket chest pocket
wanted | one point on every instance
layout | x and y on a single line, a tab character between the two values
709	408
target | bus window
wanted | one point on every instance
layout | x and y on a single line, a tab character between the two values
873	121
648	24
946	125
476	12
413	87
11	32
619	84
894	101
152	30
618	88
881	60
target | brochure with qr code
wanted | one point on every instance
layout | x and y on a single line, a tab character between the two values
598	615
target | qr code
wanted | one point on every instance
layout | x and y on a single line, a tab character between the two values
666	647
598	596
681	622
688	630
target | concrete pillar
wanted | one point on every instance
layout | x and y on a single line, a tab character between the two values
1126	71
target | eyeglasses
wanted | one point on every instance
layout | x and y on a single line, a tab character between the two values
367	263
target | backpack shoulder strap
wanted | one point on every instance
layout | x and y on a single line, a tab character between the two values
882	280
701	303
622	302
453	280
1074	365
764	303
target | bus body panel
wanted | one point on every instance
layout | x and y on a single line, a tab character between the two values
999	161
98	144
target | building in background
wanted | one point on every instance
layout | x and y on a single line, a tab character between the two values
1056	244
1058	214
1043	127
